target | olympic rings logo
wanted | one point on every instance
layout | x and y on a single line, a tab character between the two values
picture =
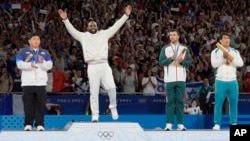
142	100
106	134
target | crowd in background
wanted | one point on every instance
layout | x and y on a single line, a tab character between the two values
134	50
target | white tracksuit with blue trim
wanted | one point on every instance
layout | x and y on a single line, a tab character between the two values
226	83
226	72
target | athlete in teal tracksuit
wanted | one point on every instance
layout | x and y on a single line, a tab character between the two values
226	80
175	58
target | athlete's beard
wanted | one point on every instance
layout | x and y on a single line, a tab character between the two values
93	31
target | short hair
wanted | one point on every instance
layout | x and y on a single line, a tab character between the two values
92	21
32	35
175	30
224	34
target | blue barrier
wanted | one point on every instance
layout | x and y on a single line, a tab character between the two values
146	121
78	104
73	104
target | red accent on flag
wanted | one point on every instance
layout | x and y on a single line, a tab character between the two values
25	6
58	81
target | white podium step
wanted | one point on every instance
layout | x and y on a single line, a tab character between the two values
113	131
117	131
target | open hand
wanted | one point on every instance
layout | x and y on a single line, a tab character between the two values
62	14
128	10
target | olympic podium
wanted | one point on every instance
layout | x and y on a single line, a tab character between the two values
113	131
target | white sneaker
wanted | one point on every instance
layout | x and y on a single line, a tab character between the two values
216	127
28	128
95	118
114	113
181	127
40	128
168	127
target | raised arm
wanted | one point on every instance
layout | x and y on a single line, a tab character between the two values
75	33
112	30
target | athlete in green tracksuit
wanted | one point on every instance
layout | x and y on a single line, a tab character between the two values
175	57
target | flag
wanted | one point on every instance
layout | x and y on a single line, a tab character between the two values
42	11
191	89
8	6
17	105
175	9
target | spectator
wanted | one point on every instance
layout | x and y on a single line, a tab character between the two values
201	96
133	65
17	80
161	86
80	82
6	81
58	59
68	82
149	83
141	75
246	80
194	109
117	70
129	81
53	109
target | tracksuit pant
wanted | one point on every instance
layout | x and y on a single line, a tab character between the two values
34	100
101	74
175	94
223	88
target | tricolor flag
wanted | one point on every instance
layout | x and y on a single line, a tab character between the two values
16	6
175	9
42	11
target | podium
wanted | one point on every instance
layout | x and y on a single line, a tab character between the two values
80	131
113	131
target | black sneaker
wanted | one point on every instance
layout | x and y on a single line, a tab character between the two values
168	129
94	121
183	129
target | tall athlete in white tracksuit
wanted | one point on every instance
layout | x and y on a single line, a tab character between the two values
95	49
226	80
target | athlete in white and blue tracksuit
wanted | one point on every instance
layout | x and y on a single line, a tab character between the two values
33	81
225	80
31	76
95	49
